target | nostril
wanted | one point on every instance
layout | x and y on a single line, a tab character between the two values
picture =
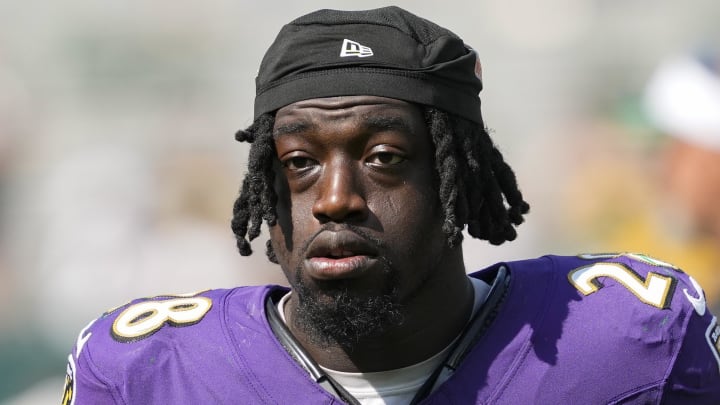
352	207
339	199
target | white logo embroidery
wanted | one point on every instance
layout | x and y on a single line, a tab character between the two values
697	302
352	48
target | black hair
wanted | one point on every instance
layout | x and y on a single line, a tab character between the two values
476	186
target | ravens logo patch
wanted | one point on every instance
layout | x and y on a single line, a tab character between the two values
68	397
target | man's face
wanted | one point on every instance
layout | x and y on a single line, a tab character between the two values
359	221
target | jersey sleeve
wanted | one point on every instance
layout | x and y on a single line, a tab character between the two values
82	385
125	355
669	320
694	373
695	376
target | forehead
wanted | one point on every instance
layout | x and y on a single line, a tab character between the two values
367	111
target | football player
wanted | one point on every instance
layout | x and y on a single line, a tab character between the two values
369	158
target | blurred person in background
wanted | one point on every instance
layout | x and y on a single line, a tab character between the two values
682	100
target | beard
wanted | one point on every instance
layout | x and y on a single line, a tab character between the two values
333	313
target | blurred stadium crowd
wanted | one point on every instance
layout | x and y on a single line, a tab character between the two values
118	167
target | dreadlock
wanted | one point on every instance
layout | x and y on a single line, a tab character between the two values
257	197
476	186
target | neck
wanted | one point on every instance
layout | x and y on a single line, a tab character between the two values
433	317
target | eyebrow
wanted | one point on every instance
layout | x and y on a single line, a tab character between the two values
371	122
292	128
386	123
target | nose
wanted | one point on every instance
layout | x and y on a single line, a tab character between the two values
340	198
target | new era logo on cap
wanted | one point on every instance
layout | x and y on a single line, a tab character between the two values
352	48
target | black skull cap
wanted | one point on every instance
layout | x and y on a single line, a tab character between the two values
387	52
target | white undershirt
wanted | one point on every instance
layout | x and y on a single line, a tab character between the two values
398	386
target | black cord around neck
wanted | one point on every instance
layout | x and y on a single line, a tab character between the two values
293	347
474	330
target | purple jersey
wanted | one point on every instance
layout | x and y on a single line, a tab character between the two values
589	329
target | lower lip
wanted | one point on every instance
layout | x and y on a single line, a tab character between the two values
325	268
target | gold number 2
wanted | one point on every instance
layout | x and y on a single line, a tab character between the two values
653	290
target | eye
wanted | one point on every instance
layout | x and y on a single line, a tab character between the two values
385	159
298	163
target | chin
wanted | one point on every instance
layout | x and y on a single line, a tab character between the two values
338	312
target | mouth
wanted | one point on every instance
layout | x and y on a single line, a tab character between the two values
334	255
